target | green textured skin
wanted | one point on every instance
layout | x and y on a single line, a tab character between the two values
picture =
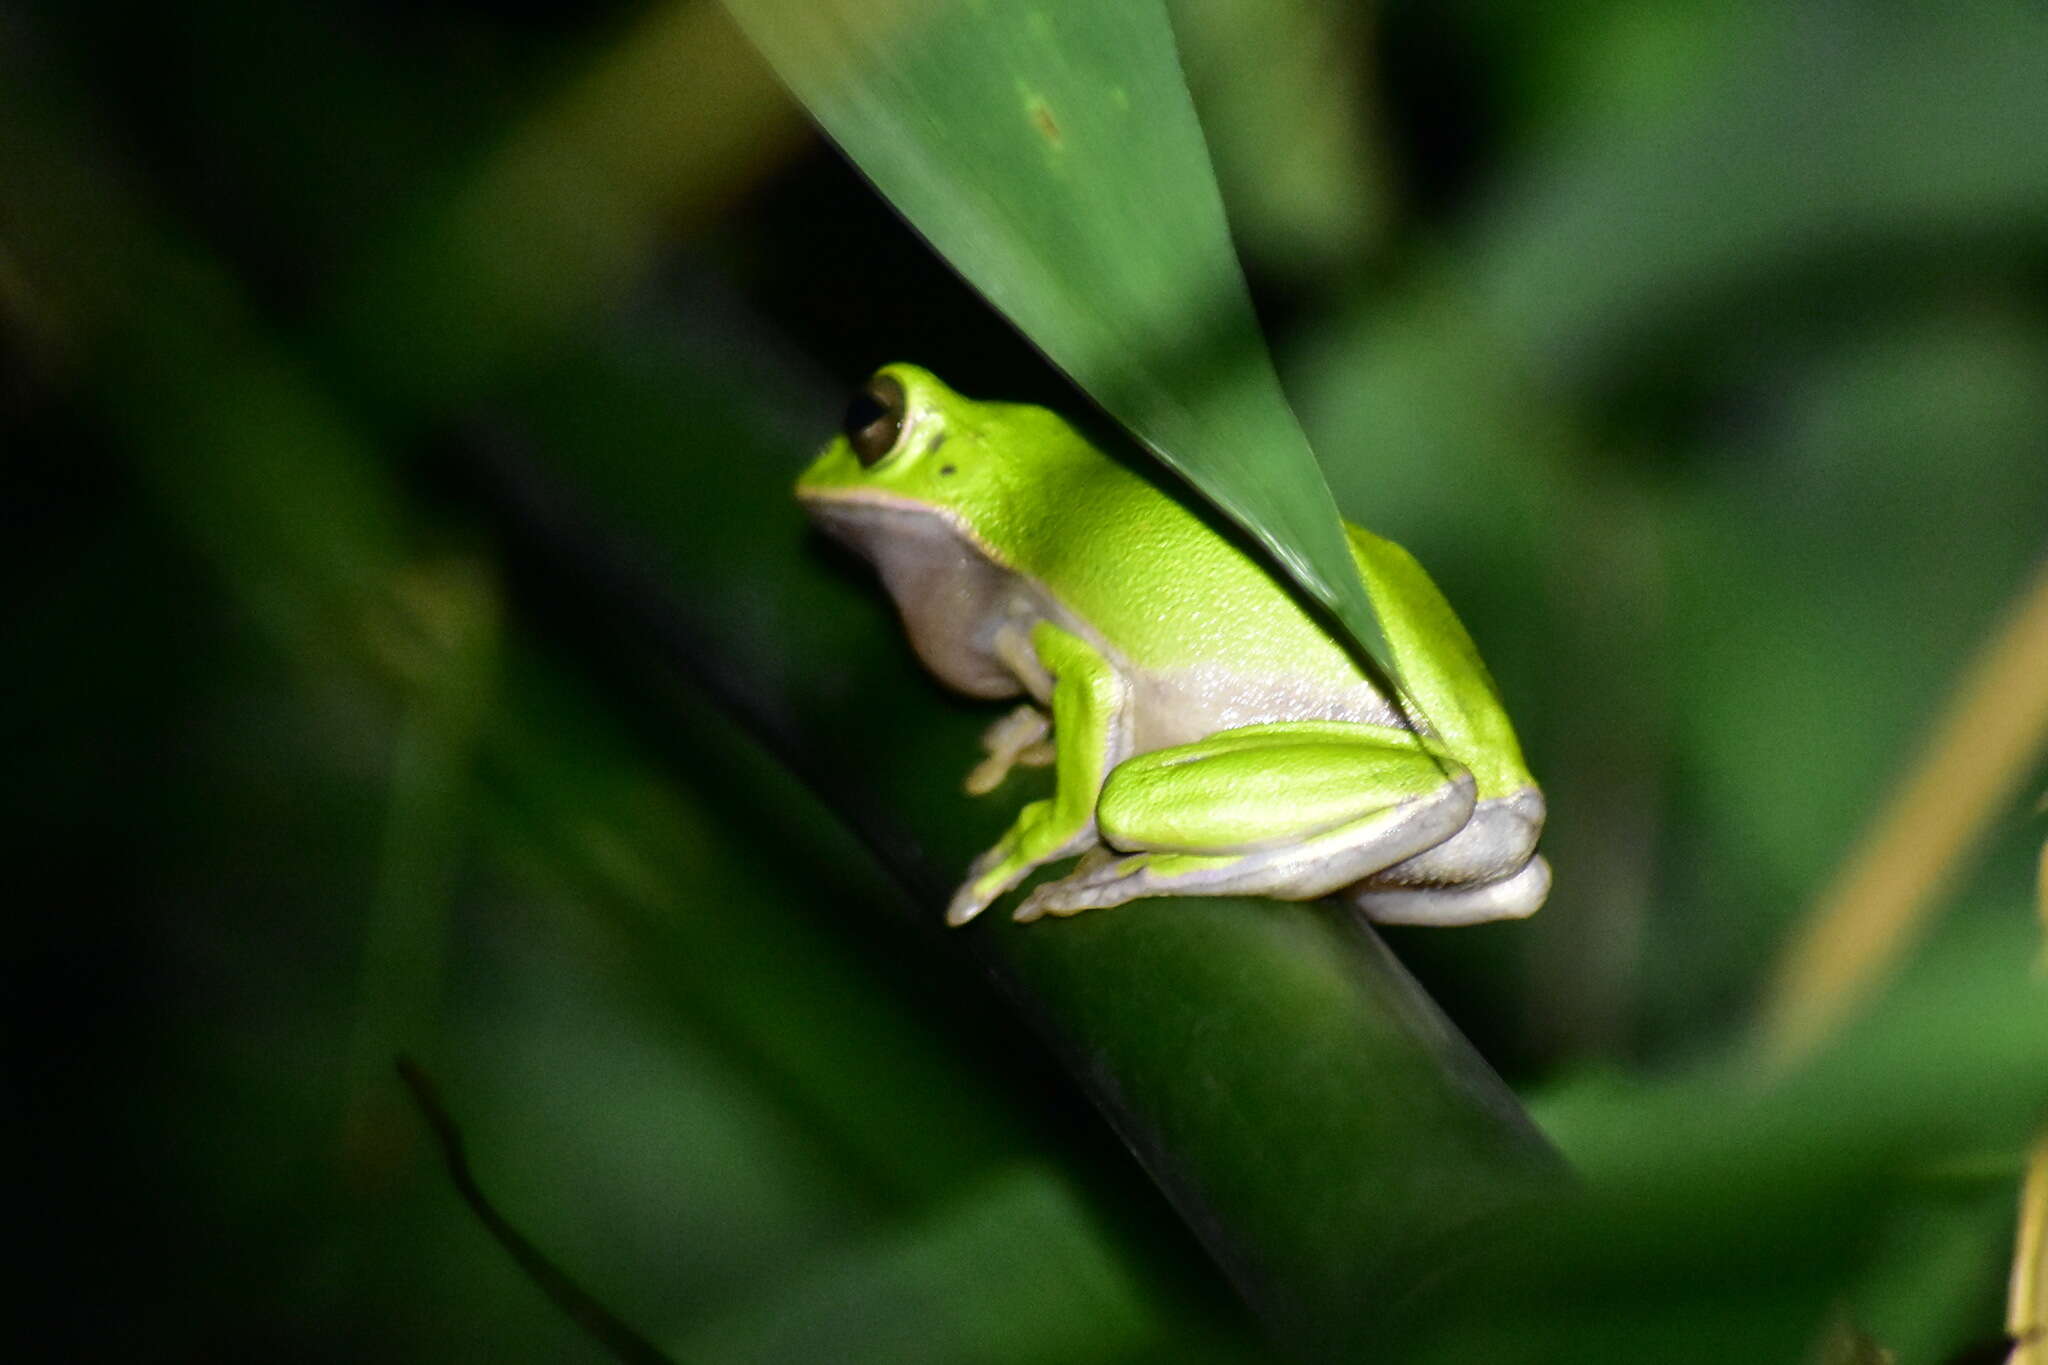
1155	582
1210	797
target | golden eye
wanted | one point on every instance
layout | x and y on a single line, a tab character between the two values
874	419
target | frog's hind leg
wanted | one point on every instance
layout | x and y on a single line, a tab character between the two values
1292	810
1516	896
1486	871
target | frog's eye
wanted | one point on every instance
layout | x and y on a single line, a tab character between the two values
874	419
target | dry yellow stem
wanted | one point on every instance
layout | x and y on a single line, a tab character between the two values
2029	1296
2042	964
1991	735
2027	1302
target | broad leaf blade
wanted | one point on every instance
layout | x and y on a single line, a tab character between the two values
1050	152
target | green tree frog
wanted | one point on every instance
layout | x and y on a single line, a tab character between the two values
1207	736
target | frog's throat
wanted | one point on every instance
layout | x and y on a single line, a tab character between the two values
953	593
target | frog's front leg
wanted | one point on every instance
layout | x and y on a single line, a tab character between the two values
1088	703
1292	810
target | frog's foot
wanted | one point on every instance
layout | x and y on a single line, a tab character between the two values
1515	896
1292	811
1017	740
1113	880
1486	871
1031	843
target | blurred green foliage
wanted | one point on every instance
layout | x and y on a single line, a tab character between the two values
415	648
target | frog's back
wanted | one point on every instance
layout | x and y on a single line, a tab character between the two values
1203	629
1161	583
1217	641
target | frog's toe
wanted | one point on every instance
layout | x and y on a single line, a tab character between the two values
1116	879
967	902
987	879
1056	897
993	874
986	775
1017	740
1030	908
1071	895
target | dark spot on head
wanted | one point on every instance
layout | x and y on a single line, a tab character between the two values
946	469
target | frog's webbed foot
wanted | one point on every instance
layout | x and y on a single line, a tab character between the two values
1017	740
1486	871
1515	896
1104	878
1029	845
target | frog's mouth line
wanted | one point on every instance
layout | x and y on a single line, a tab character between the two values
859	517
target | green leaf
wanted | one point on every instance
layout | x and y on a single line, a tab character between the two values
1050	152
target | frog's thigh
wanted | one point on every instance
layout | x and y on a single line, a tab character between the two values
1265	786
1291	810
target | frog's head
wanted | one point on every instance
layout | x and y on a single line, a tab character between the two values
911	447
940	492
